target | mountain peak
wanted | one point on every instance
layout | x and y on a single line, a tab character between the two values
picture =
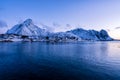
27	28
28	22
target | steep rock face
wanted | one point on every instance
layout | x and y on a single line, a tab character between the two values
104	35
27	28
91	34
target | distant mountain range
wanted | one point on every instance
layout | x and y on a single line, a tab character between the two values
27	31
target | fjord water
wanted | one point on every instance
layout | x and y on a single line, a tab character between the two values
60	61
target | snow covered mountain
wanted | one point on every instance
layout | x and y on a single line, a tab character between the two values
27	31
27	28
91	34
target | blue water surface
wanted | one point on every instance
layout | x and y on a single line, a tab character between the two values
60	61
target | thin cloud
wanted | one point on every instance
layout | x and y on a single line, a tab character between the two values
68	25
108	30
117	28
48	28
56	24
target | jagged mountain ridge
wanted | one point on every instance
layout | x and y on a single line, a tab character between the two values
27	28
91	34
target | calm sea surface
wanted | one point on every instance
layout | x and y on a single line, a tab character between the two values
60	61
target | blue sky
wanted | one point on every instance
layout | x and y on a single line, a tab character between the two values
88	14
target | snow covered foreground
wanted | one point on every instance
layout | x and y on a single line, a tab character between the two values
27	31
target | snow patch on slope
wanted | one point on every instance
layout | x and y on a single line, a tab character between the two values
27	28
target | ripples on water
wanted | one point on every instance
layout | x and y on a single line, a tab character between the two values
60	61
